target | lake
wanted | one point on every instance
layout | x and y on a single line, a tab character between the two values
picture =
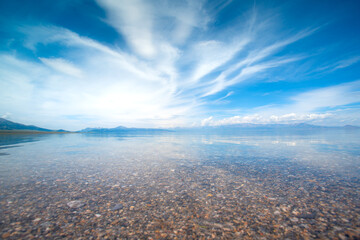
171	185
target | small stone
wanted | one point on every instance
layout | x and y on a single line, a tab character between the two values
295	212
342	236
307	216
219	195
97	215
6	235
75	204
132	208
277	212
37	219
117	207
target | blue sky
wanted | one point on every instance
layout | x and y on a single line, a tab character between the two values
75	64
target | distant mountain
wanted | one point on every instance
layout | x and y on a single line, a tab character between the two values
351	127
6	125
120	129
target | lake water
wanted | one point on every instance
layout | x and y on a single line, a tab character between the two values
254	185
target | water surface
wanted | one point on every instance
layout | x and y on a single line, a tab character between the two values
171	185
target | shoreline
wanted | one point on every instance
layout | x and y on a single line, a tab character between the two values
31	132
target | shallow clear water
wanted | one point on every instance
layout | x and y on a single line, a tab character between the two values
168	185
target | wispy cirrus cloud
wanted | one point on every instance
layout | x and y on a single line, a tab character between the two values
328	97
346	62
213	54
144	25
255	62
339	64
135	21
62	66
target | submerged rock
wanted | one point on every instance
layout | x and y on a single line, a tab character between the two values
75	204
117	207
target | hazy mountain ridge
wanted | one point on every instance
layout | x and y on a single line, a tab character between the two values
121	129
6	125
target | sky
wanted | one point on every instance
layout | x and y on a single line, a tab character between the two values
73	64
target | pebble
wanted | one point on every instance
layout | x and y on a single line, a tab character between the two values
75	204
5	235
117	207
277	212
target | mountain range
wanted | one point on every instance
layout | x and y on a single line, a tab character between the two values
9	126
121	129
6	125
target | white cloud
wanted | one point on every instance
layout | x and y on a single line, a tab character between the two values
226	96
134	20
207	121
146	25
187	15
255	62
347	62
62	66
259	119
6	115
333	96
212	54
225	79
340	64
